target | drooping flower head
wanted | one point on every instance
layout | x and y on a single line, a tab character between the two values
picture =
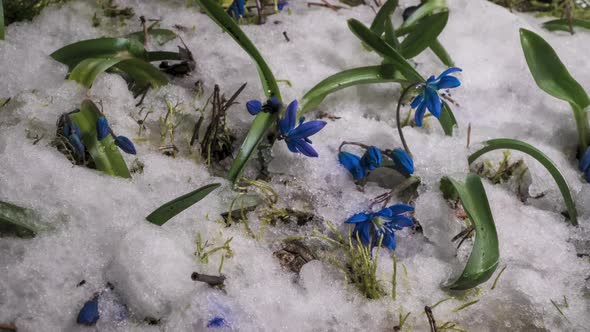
352	163
102	128
297	138
381	226
372	158
429	99
403	163
272	105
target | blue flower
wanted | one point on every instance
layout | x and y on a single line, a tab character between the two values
102	128
429	98
237	8
584	164
74	137
125	144
298	138
272	105
89	315
352	163
403	163
216	322
372	158
371	227
282	4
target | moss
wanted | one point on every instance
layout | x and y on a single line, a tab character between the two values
21	10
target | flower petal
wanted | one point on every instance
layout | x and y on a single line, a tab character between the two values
403	162
401	208
584	162
215	322
305	148
292	147
307	129
125	144
102	128
89	314
288	122
359	217
420	114
254	106
400	222
417	100
449	71
77	143
352	163
447	82
433	102
389	241
372	158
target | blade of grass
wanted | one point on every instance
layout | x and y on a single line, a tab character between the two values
167	211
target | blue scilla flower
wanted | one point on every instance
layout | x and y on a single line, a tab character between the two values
89	315
272	105
584	164
403	163
371	227
125	144
102	128
237	9
216	321
372	158
72	132
298	138
352	163
282	4
429	98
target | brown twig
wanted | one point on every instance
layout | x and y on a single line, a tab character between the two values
8	326
211	280
431	321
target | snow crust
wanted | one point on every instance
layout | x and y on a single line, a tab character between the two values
100	235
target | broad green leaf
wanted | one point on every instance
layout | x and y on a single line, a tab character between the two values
424	34
73	54
357	76
263	120
506	143
142	73
441	53
390	37
160	36
385	50
549	72
17	220
167	211
562	24
428	8
447	119
86	71
1	21
485	254
383	15
105	153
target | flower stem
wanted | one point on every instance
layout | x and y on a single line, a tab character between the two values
397	115
583	130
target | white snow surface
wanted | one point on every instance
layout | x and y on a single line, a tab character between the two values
99	232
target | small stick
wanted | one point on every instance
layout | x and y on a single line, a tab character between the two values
145	31
468	135
211	280
8	326
430	316
286	37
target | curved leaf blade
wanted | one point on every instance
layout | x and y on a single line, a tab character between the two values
105	153
447	119
442	53
142	73
427	8
351	77
73	54
507	143
485	255
383	15
263	120
167	211
87	70
549	72
424	34
562	24
17	220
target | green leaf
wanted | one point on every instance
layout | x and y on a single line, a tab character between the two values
162	56
390	37
105	153
73	54
562	24
447	119
86	71
549	72
428	8
17	220
382	48
1	21
485	254
142	73
160	36
263	120
506	143
383	15
167	211
441	53
363	75
424	34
